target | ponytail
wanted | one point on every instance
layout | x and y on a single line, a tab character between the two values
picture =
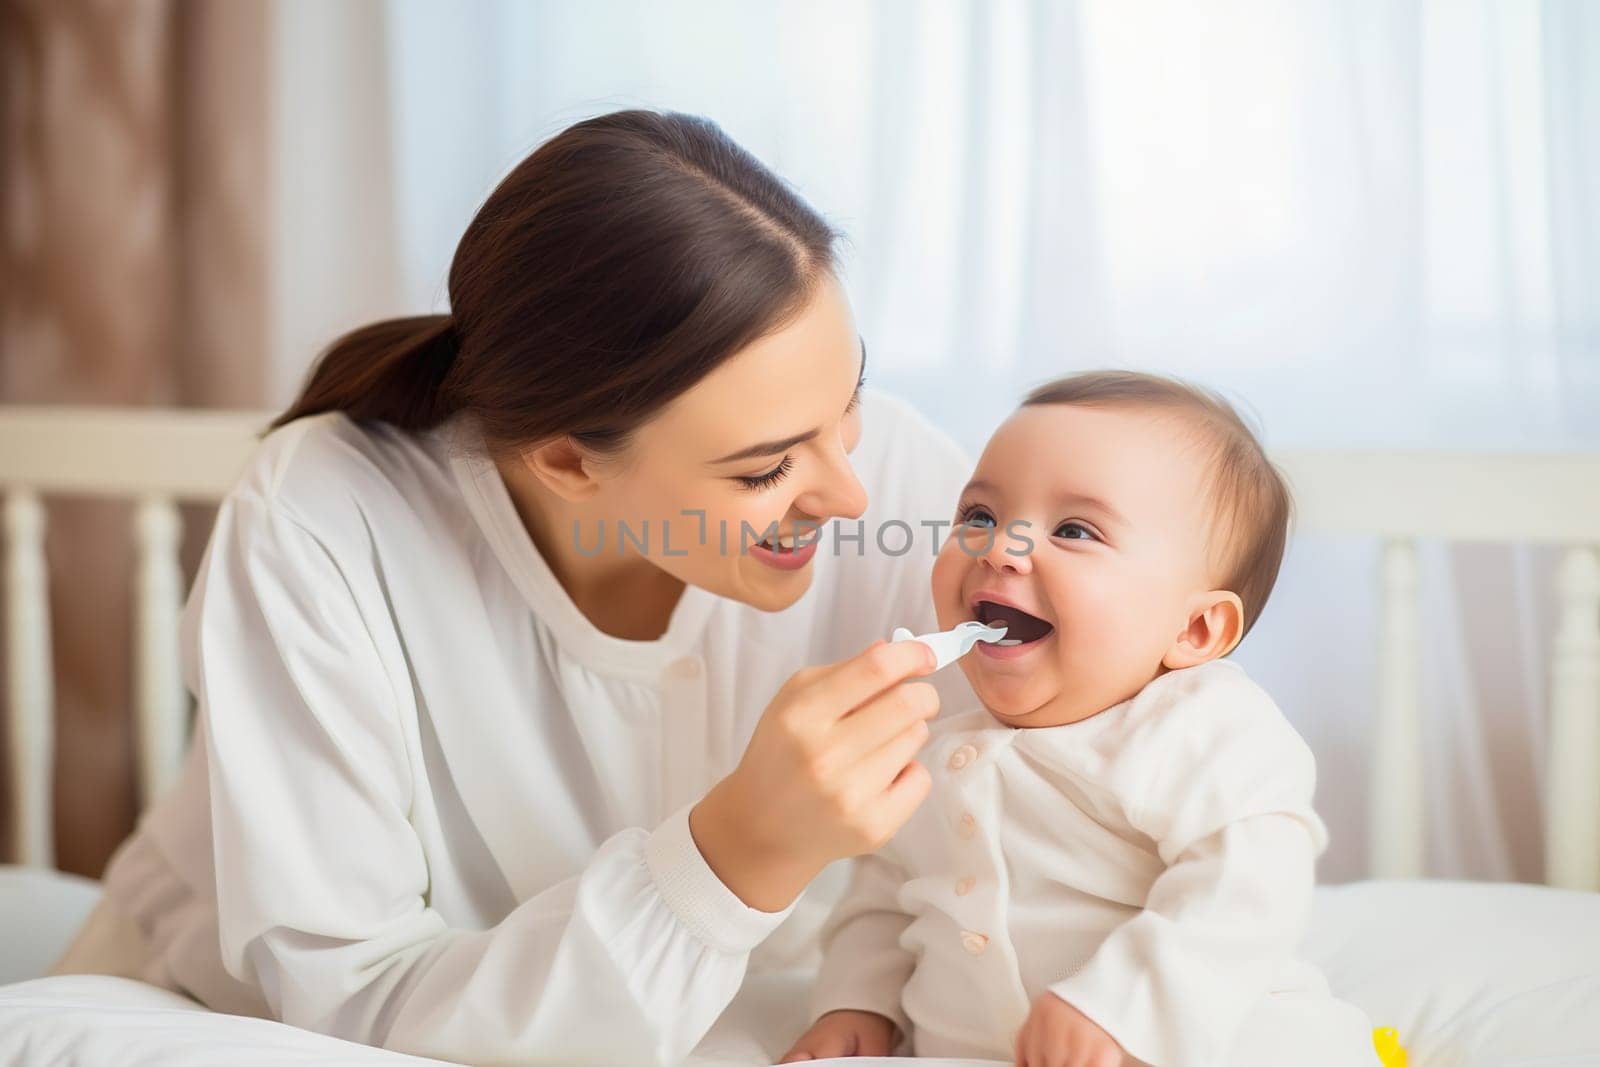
392	371
572	316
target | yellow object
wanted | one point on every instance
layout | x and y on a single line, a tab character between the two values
1386	1040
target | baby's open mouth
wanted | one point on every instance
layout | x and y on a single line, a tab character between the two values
1020	626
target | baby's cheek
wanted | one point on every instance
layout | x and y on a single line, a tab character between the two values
948	572
1090	613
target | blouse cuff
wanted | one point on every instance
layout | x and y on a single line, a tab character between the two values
861	995
711	911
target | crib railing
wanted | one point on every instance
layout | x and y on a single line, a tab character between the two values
1540	499
159	458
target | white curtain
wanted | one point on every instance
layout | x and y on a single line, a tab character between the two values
1373	224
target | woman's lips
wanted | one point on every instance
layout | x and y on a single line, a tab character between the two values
782	560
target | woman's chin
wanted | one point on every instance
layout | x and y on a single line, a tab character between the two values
766	589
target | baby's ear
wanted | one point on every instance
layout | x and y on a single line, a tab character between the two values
1216	622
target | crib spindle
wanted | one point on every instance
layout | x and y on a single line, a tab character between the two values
32	712
1397	817
1572	822
162	705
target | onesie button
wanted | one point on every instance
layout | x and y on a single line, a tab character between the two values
974	943
961	757
964	886
968	825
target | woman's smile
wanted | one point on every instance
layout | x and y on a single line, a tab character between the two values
786	558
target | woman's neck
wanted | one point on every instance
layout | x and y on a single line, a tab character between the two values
623	595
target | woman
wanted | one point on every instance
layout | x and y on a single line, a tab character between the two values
508	747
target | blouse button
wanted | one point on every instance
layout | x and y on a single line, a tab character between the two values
974	943
968	825
961	757
964	886
688	667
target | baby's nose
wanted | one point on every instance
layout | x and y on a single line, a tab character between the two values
1011	552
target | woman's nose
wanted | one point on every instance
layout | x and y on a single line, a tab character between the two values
836	492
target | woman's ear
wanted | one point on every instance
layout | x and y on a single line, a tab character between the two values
564	467
1216	623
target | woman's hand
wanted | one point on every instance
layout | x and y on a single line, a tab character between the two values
844	1033
830	772
1058	1035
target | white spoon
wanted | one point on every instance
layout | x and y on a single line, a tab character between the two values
952	644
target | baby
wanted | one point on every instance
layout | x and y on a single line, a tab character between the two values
1115	862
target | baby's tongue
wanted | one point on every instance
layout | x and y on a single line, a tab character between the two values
1020	626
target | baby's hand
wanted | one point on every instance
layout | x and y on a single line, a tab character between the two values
844	1033
1059	1035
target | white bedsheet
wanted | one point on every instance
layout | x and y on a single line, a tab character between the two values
84	1019
1474	975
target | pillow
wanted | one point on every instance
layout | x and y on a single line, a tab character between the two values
1471	974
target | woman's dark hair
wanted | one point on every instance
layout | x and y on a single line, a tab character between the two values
608	273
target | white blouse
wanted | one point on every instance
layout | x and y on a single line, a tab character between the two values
431	807
1151	865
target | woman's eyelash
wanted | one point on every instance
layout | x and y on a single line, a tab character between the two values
776	474
769	479
855	398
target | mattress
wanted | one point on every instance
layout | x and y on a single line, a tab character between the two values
1472	975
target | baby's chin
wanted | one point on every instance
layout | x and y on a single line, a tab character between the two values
1050	713
1009	698
1019	717
1025	700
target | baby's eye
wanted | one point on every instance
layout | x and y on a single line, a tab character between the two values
974	515
1074	531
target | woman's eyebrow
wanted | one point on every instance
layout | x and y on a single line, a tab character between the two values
772	448
768	448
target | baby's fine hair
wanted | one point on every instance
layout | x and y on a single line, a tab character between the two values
1253	505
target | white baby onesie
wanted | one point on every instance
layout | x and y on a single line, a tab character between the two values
1152	865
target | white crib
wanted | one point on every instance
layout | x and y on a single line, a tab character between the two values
1520	990
162	457
158	458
